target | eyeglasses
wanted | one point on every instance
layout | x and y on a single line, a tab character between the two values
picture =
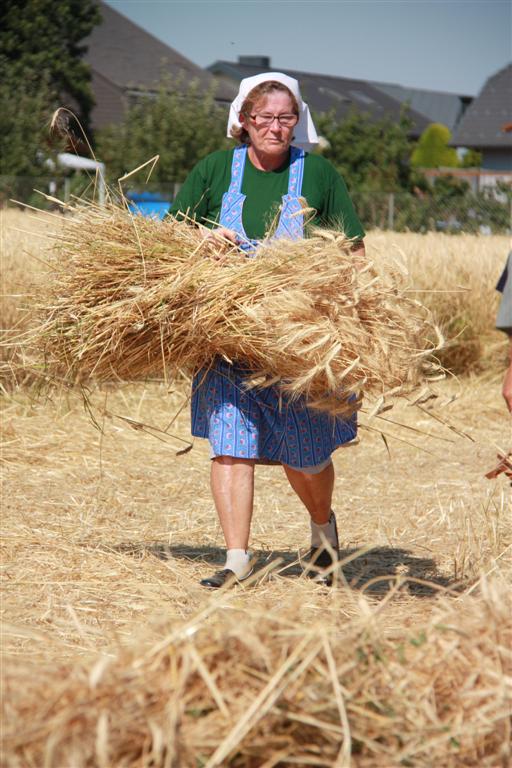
264	120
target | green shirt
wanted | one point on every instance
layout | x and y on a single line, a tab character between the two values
322	187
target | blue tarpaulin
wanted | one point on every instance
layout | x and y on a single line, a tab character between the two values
148	204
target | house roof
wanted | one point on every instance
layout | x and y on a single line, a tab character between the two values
325	92
484	124
127	56
437	106
109	99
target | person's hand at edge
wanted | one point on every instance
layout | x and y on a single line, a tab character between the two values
507	381
218	241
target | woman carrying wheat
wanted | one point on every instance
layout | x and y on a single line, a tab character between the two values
267	178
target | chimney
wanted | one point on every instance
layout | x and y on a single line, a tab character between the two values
255	61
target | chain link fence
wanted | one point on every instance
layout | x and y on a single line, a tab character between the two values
483	213
488	212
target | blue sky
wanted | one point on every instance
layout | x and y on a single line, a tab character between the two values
447	45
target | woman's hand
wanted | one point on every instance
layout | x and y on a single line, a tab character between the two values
218	241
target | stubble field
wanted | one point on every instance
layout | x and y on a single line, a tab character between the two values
113	655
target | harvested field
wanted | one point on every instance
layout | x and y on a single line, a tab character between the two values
113	655
455	278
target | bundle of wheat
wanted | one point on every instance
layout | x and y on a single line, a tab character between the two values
133	297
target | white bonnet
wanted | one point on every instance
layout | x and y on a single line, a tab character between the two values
305	134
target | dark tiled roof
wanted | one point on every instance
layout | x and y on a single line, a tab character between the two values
484	122
110	102
129	57
324	93
437	106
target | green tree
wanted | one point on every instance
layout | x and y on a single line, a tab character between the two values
180	124
432	150
373	158
448	189
45	38
370	155
26	105
471	159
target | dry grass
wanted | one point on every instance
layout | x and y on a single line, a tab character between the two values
113	655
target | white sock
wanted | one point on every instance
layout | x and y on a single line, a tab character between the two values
328	530
238	561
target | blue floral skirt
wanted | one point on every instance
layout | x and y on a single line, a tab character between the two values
261	423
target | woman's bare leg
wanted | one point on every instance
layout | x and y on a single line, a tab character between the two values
315	491
232	484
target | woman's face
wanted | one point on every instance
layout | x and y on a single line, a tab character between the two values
274	138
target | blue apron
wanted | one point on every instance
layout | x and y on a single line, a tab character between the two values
261	423
291	220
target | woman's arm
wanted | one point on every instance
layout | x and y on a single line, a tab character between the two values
191	202
337	209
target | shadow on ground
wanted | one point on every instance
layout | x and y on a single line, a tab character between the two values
374	571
